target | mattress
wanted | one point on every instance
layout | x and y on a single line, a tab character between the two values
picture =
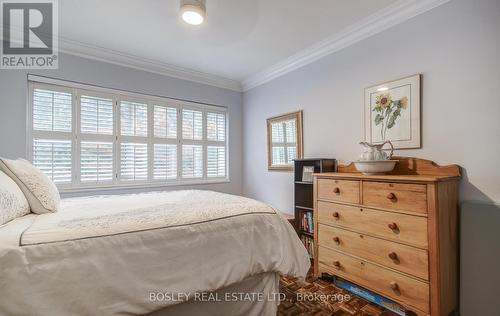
105	255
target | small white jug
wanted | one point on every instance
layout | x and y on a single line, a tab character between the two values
375	152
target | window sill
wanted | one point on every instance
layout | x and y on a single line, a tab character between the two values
126	186
280	167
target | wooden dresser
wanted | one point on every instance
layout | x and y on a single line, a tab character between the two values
394	234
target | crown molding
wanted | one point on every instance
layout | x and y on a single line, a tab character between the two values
390	16
84	50
400	11
76	48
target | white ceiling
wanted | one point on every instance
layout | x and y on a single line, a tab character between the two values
239	40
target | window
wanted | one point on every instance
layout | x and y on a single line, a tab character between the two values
216	151
284	135
165	122
52	133
192	126
96	146
216	159
96	162
216	126
192	161
165	161
53	157
96	115
133	119
85	136
133	162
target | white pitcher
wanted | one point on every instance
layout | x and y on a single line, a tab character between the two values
375	152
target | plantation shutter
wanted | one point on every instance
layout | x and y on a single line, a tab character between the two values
192	161
165	161
84	137
216	161
216	126
165	122
165	143
134	119
52	111
134	162
216	147
52	138
53	157
96	162
192	124
134	141
96	115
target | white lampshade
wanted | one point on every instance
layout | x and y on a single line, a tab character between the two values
193	11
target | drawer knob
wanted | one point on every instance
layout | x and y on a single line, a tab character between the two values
393	256
336	264
336	190
336	215
393	226
394	286
336	240
391	196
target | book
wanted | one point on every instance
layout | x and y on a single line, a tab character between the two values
309	244
307	224
370	296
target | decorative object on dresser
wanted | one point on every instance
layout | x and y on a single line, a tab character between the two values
304	196
394	234
392	112
374	160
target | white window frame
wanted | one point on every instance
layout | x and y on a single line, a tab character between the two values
77	90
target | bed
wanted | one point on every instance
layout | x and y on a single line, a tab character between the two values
148	253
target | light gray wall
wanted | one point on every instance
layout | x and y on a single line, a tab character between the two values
14	91
479	259
457	49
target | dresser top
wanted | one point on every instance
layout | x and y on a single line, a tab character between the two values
407	169
388	177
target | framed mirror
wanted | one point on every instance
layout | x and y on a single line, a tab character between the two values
284	141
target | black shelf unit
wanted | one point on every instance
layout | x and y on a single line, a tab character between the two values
304	196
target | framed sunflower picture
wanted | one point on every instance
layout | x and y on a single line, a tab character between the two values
392	112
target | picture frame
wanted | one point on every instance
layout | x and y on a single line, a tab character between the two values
307	173
392	112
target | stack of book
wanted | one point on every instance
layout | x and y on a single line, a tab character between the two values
307	222
309	243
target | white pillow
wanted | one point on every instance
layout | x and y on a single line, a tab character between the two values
41	192
13	203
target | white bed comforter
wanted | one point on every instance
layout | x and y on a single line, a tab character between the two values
104	255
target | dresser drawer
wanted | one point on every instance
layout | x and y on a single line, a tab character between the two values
395	226
399	287
397	256
396	196
338	190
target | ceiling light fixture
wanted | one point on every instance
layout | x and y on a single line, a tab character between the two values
193	11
